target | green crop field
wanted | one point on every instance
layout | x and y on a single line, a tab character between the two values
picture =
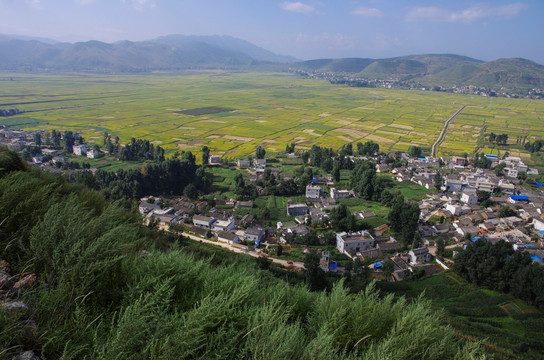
232	113
504	323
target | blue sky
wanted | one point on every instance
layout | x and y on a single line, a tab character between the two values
308	29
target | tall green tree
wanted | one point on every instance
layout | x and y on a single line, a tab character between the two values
260	152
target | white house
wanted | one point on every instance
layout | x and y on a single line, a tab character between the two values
205	222
511	172
313	192
453	185
94	154
420	256
223	225
339	194
357	241
469	198
254	234
243	163
457	209
214	160
538	223
485	185
227	237
80	150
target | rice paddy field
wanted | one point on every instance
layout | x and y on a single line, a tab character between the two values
232	113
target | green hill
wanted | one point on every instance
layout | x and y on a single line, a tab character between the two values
444	70
98	295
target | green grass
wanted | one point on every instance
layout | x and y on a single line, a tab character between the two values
413	191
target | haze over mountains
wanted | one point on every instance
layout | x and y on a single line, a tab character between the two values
178	52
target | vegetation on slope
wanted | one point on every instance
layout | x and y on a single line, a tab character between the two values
98	295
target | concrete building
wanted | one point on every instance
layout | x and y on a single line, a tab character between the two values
227	237
214	160
469	198
313	192
254	234
205	222
295	209
339	194
357	241
223	225
243	163
420	256
80	150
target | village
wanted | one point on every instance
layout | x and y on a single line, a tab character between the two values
469	204
453	217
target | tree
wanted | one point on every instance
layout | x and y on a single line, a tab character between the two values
190	191
506	211
265	213
499	168
315	277
279	250
205	155
69	141
336	171
37	139
55	138
260	152
290	148
414	151
440	246
262	262
341	219
305	157
438	181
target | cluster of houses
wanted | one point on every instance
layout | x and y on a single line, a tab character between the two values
221	224
17	140
458	215
84	150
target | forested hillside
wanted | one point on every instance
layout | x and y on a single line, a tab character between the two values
108	288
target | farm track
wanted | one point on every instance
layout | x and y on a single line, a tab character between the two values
443	132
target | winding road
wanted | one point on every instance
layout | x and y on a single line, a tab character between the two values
434	148
239	250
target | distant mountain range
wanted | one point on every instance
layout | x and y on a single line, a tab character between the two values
179	52
442	70
172	52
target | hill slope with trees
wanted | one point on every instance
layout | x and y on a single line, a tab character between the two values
106	287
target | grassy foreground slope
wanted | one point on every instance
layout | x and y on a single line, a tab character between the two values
179	111
97	296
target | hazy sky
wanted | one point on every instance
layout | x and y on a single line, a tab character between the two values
306	29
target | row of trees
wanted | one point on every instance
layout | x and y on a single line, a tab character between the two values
9	112
499	267
141	150
171	176
533	147
499	139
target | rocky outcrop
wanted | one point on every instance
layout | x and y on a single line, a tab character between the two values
11	288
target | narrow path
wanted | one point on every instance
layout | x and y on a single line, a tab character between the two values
239	250
434	148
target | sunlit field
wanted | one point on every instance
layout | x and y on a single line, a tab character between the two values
232	113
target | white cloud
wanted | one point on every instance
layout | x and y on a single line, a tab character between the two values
298	7
468	15
367	11
140	5
34	3
327	41
84	2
